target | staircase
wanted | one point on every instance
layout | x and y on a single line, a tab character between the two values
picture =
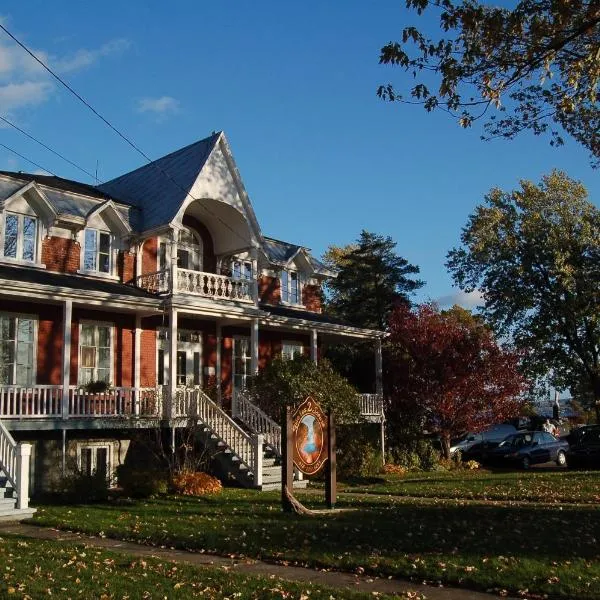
258	422
14	478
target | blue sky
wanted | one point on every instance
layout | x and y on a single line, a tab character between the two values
293	86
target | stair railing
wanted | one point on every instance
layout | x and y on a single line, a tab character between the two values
194	403
14	462
256	420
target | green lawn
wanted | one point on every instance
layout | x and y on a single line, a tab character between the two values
36	569
558	486
545	549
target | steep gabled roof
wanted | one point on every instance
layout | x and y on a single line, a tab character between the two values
160	187
280	253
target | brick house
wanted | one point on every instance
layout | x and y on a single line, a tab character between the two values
159	283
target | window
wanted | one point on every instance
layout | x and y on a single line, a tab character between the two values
290	287
189	250
290	350
95	353
97	251
95	459
241	269
162	256
17	350
20	237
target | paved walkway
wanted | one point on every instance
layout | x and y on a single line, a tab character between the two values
251	567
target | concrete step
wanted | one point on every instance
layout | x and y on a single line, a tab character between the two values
17	515
298	485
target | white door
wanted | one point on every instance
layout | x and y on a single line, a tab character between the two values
188	359
242	367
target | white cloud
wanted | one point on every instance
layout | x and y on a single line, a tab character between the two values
24	82
162	106
464	299
18	95
84	58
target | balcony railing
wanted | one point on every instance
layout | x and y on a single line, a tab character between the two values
371	406
199	283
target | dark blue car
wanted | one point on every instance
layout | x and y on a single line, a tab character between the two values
529	448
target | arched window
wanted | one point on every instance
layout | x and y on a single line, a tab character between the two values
189	250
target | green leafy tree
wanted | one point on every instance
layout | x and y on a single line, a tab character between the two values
537	62
286	382
371	280
535	254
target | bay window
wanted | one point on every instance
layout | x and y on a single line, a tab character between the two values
97	251
95	353
20	236
290	287
17	350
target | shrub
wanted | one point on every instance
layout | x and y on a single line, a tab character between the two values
195	483
141	483
357	451
392	469
85	489
416	455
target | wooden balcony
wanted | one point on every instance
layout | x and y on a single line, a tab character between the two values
199	283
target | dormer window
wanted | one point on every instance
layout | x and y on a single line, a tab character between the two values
97	251
290	287
20	237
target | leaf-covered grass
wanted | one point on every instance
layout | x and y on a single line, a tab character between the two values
545	549
35	569
558	486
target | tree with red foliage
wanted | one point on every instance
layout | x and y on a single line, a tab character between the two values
448	368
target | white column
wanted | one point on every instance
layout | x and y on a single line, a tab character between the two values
139	252
23	455
254	346
313	345
378	368
174	263
257	458
137	343
218	365
66	356
254	257
172	344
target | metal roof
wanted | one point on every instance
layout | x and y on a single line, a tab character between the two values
157	194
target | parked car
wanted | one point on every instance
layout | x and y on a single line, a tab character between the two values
584	447
474	445
529	448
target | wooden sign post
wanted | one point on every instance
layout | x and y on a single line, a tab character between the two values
309	445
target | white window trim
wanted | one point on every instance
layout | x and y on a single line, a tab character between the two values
95	445
295	343
242	261
35	319
37	260
163	344
299	281
112	255
111	326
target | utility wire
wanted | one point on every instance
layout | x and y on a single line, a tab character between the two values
31	137
109	124
28	160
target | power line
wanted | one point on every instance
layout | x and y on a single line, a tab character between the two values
109	124
31	137
28	160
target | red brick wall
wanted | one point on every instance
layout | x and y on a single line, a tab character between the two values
148	355
126	266
150	256
312	297
269	289
61	254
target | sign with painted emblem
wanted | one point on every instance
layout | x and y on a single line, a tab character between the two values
310	437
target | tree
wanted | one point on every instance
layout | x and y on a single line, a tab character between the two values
371	280
535	254
448	368
538	63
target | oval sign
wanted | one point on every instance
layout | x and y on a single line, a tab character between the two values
310	431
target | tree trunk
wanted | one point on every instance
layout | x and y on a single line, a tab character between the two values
445	439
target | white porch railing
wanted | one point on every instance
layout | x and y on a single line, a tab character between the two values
371	405
30	402
196	404
14	463
211	285
115	402
256	420
155	283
